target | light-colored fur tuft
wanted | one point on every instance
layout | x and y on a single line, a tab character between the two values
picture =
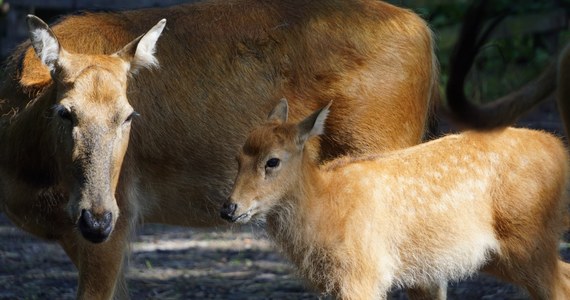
146	48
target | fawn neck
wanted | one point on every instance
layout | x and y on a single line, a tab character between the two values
301	210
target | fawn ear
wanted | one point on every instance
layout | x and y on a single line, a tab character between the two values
140	52
44	42
313	125
279	112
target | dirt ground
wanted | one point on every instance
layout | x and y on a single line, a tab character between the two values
185	263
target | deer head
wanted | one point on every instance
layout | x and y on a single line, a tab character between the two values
90	121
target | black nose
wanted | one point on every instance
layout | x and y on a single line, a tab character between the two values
95	229
228	210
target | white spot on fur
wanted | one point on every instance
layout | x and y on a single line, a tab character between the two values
436	175
523	162
453	159
494	158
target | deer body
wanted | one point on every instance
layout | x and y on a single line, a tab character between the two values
431	213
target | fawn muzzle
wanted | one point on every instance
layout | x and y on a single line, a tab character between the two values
228	211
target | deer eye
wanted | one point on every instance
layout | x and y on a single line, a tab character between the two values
63	113
130	117
272	163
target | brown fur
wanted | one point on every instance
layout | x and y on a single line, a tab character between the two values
440	211
374	60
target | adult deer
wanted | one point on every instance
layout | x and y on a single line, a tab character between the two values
440	211
66	173
61	155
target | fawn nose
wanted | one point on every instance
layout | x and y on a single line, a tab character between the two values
95	229
228	210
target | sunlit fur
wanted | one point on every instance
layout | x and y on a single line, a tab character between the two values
223	65
357	227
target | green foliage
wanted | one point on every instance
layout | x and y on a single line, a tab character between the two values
505	62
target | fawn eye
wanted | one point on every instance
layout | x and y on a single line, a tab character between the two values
130	117
272	163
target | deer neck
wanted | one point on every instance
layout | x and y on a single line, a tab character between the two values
27	142
298	232
292	220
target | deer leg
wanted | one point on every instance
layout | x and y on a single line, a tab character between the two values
538	269
432	292
551	281
562	284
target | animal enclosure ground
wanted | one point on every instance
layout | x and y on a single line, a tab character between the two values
182	263
185	263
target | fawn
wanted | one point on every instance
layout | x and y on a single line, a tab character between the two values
443	210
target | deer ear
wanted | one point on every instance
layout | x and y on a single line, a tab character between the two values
313	125
280	112
140	52
44	42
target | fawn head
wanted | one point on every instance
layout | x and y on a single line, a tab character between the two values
270	162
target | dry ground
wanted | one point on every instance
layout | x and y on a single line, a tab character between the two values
185	263
182	263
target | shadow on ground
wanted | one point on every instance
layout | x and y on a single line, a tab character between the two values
182	263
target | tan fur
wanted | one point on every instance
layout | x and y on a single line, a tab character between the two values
431	213
374	60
